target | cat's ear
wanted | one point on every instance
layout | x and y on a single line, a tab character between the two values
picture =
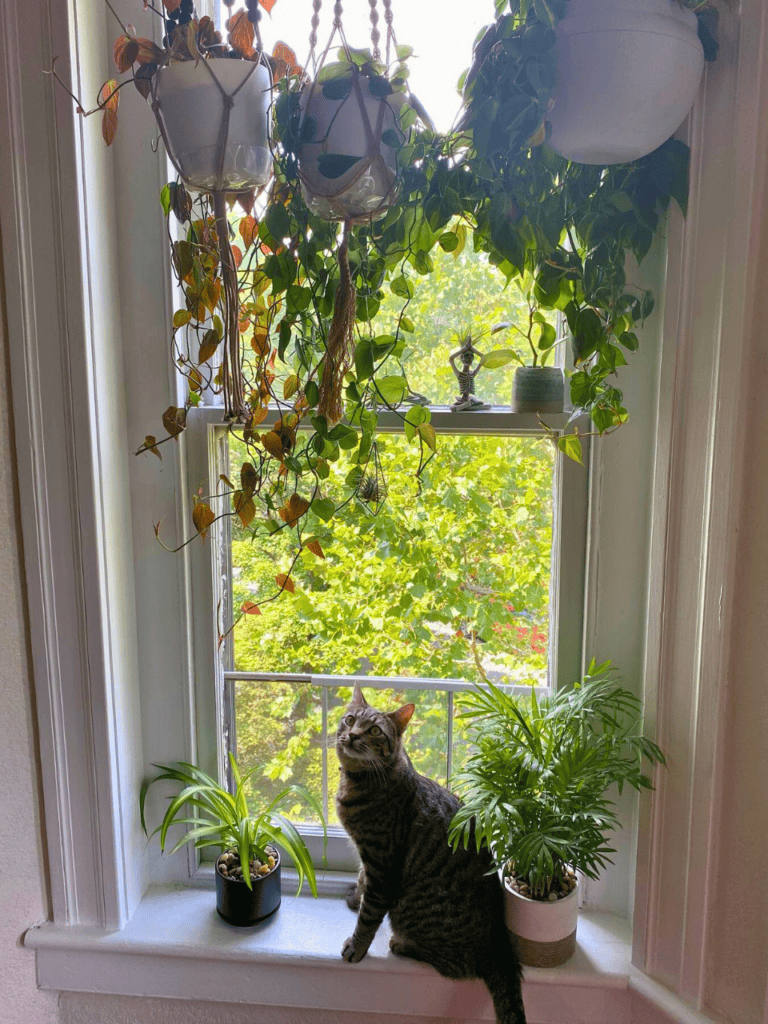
358	700
402	717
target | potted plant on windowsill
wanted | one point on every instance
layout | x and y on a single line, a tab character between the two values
536	791
537	387
248	868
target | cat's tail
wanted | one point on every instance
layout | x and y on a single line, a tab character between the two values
503	976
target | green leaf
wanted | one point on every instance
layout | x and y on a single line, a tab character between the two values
337	88
498	357
392	389
324	508
391	138
414	418
334	165
278	222
165	199
570	445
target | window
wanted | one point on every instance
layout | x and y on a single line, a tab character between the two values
417	587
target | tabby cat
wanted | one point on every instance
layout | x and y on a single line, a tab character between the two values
445	907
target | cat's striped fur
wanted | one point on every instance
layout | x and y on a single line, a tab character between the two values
445	908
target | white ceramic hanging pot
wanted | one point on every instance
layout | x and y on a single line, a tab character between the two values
336	130
192	110
544	933
627	74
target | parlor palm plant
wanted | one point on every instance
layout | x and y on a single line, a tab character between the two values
536	788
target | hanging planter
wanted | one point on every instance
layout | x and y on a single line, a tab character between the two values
627	76
350	137
214	119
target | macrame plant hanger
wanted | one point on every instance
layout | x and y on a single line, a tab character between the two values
232	370
340	343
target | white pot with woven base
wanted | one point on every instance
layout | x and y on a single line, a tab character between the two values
347	128
544	933
627	74
190	104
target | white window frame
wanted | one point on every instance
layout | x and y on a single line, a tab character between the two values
64	321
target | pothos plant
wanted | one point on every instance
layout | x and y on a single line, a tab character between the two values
289	282
186	38
565	227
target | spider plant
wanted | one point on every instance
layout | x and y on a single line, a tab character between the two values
225	821
535	789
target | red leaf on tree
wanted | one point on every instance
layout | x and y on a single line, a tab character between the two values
249	608
285	583
268	5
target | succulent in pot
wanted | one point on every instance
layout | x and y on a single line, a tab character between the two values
248	867
536	792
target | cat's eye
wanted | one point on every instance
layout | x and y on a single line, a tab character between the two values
375	730
349	720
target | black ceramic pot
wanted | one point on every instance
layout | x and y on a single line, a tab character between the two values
239	905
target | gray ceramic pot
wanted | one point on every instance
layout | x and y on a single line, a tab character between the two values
538	389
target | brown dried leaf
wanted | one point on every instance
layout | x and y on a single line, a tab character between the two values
260	343
268	5
241	34
248	478
149	443
246	200
142	79
237	255
248	229
285	61
171	5
274	445
249	608
294	509
314	546
244	506
125	52
208	346
174	420
211	293
149	52
202	517
285	583
109	126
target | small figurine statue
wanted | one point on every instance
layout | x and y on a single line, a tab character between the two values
466	376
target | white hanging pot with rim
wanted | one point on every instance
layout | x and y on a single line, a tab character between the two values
544	933
334	131
627	75
214	119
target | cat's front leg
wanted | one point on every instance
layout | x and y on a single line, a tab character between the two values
376	901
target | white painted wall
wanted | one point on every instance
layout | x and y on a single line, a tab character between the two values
23	898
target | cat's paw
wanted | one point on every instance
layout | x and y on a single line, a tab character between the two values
351	952
354	897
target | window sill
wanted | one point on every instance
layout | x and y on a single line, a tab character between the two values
176	946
